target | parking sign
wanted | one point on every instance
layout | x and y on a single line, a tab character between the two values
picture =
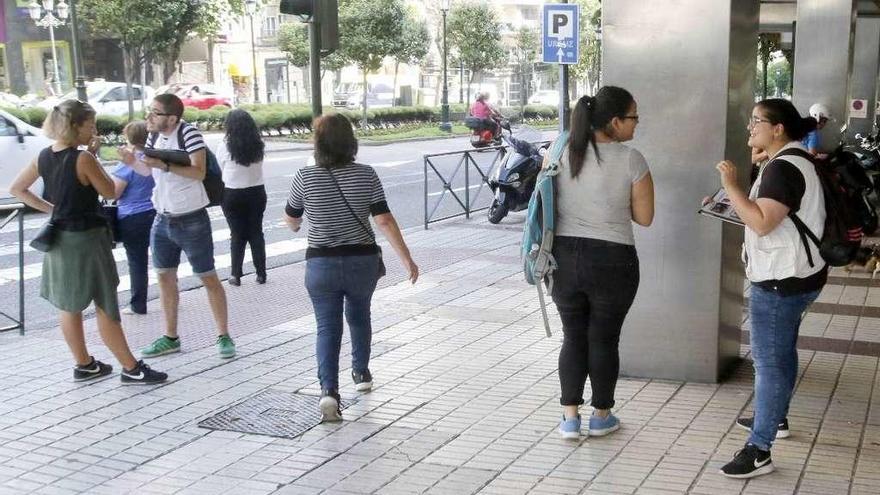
560	33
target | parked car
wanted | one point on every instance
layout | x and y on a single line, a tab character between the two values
351	95
107	98
201	96
19	144
545	97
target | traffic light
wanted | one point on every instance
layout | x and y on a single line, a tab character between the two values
324	12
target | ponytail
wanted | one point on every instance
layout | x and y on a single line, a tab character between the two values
581	134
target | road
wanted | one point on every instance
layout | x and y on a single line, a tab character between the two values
400	167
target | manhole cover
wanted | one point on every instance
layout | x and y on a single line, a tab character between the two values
276	414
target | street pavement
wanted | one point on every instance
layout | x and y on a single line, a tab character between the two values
400	166
465	399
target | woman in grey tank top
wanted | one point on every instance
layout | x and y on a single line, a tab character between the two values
602	187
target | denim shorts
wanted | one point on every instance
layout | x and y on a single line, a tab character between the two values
190	233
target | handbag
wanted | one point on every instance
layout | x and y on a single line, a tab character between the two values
369	232
110	209
45	237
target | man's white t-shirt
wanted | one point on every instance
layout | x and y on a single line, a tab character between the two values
175	194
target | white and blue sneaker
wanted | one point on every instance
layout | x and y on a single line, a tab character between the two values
570	428
599	426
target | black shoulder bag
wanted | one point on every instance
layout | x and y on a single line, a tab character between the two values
360	222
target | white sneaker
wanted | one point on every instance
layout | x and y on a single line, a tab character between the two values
128	311
329	406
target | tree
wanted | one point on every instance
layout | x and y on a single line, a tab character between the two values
525	52
589	63
767	44
475	34
209	22
293	39
413	45
145	36
369	31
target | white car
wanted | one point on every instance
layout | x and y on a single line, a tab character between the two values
545	97
19	144
108	98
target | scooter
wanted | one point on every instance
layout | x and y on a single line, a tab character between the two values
482	134
514	180
868	154
848	166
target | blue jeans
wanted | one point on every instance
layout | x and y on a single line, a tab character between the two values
337	283
190	233
135	233
776	320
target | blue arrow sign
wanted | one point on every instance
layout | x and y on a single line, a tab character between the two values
560	33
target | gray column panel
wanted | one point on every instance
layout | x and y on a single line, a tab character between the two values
866	63
693	81
823	59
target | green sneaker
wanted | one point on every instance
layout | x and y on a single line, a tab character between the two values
160	346
226	346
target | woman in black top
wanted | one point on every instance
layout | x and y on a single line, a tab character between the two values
343	261
79	266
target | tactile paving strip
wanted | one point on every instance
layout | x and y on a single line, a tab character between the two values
276	414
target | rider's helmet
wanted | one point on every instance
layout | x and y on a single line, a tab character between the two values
819	111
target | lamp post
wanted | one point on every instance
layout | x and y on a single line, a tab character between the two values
444	105
50	20
252	8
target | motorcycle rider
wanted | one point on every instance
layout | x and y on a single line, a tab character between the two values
822	115
481	109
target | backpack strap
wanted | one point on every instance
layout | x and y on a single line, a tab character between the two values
803	230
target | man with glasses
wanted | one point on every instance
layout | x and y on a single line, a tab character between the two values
182	222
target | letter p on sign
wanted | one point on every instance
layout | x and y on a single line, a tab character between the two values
561	25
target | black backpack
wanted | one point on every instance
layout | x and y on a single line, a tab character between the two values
843	230
213	180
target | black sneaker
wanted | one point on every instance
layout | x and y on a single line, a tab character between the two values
781	432
363	382
95	369
142	375
748	463
329	405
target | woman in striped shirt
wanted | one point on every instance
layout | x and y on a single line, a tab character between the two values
343	262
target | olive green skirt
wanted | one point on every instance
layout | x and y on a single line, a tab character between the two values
79	269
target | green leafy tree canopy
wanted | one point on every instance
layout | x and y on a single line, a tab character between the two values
475	35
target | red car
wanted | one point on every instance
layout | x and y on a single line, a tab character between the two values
201	96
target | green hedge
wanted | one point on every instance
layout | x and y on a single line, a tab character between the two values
280	119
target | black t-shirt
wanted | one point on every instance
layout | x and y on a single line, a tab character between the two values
783	182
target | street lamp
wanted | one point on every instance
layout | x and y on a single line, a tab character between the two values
252	8
444	105
51	21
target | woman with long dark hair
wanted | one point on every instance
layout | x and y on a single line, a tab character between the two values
244	198
343	262
785	270
603	186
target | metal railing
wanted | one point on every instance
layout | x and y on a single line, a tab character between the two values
16	211
465	162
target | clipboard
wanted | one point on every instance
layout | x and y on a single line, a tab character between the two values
174	157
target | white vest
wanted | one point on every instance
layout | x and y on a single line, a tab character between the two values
781	253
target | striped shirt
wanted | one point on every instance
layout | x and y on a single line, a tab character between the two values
174	193
333	230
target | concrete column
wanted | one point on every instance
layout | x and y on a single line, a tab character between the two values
823	57
866	63
691	66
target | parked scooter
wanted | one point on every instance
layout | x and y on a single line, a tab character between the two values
868	154
856	180
482	134
514	180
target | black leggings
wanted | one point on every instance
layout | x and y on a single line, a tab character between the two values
244	209
593	289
